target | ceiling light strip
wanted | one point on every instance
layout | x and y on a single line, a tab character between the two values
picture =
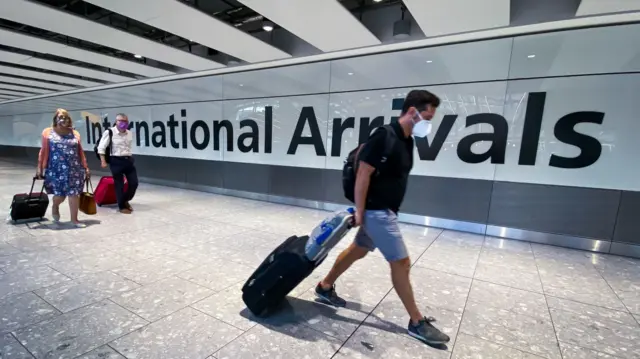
34	83
171	16
23	88
15	93
49	18
325	24
10	70
32	43
606	20
26	60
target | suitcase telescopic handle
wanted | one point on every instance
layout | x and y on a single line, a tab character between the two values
33	183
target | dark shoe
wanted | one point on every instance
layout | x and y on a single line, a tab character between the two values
427	333
329	296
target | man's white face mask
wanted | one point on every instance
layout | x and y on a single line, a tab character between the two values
421	127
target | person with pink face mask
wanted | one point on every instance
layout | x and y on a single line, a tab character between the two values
120	161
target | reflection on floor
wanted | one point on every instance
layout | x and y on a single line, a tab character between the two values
165	283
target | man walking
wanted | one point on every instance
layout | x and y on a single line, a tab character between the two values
118	145
380	185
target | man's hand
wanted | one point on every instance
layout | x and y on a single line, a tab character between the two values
357	219
103	161
362	186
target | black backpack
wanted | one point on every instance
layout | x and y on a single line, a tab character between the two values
107	152
350	169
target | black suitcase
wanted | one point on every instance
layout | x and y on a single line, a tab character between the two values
30	205
278	275
288	265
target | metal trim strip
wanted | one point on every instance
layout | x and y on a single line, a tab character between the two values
625	249
454	225
559	240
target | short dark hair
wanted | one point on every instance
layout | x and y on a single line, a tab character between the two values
420	99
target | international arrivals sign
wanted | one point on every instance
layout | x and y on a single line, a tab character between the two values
180	134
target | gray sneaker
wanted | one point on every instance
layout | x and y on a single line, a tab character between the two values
427	333
330	296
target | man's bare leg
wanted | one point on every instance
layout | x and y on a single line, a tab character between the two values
419	326
325	289
402	283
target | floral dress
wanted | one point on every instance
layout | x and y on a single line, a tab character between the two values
65	174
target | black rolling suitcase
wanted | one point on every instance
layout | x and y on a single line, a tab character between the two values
288	265
32	205
278	275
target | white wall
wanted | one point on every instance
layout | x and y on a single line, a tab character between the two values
593	88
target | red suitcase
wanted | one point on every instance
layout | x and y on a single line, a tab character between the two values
105	192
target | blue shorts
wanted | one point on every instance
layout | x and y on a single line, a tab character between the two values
380	230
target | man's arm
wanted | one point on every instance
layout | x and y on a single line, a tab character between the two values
102	146
369	159
363	178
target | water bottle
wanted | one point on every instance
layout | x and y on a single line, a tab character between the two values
315	246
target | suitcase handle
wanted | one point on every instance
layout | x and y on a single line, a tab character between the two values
35	178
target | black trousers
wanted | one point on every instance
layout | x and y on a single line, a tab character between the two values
122	167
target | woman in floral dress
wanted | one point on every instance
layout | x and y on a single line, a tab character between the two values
63	164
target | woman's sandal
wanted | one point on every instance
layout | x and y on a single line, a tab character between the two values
79	225
56	217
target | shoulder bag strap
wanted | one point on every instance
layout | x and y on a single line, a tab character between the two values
89	184
110	141
390	140
390	137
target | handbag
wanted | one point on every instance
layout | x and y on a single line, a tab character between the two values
88	201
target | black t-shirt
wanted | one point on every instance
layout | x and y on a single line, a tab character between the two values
389	183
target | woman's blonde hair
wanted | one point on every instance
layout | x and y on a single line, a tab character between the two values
60	111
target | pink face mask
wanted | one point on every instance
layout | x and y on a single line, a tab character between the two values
63	121
122	125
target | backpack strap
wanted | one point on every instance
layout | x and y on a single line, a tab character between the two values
110	140
389	140
390	137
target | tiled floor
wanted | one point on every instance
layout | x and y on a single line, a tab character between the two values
165	283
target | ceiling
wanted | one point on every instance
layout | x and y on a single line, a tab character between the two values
48	46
